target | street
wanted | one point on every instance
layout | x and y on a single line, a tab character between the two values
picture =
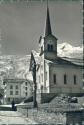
11	117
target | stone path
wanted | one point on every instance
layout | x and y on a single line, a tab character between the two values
11	117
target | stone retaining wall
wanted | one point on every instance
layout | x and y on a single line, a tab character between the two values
41	115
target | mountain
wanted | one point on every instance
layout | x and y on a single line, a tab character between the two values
19	65
67	50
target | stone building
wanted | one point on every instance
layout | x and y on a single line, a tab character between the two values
17	89
55	74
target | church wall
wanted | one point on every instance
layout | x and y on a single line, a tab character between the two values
46	80
70	87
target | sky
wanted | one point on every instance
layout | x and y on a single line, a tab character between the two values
21	24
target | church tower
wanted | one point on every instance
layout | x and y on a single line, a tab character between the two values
48	44
48	51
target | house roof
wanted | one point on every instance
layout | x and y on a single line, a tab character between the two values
15	80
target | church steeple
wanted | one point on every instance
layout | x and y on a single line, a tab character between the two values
48	30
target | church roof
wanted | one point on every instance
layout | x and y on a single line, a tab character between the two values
48	30
65	61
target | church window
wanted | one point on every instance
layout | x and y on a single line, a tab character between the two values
48	47
54	78
11	87
65	79
75	82
51	47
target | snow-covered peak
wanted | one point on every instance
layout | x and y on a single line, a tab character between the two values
67	50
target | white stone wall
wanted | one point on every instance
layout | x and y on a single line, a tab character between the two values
23	90
70	71
7	91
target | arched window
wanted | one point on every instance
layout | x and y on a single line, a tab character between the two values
54	78
75	81
65	79
50	48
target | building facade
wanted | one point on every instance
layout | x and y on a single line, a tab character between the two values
17	89
56	74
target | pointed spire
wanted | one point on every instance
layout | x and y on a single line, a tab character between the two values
48	30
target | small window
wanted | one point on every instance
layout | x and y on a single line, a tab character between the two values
75	82
4	83
54	78
25	88
26	83
11	92
25	93
16	92
16	87
65	79
11	86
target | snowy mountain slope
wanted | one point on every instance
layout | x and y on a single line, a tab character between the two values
68	50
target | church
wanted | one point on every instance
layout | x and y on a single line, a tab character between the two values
56	75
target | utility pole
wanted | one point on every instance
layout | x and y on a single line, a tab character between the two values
35	87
